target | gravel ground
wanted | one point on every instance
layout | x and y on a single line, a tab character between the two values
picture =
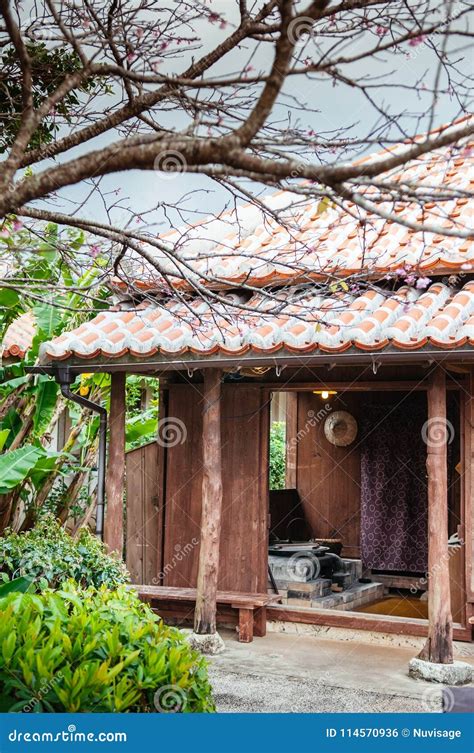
277	694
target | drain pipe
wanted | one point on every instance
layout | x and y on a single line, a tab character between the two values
64	378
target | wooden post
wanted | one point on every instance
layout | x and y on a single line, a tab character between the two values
115	481
291	440
468	487
439	645
205	612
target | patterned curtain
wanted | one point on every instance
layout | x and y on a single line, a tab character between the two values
394	507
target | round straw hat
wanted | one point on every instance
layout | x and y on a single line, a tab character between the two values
340	428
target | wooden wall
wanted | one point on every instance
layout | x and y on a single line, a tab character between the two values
243	564
328	477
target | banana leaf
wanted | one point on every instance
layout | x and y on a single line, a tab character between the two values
16	465
17	585
46	399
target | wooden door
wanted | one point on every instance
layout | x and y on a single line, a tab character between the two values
144	514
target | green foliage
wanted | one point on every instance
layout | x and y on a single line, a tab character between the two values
277	456
15	466
32	462
95	650
141	424
16	585
45	404
48	67
48	553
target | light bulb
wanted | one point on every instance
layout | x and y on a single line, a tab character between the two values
325	394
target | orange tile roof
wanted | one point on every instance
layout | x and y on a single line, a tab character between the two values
243	247
306	321
18	337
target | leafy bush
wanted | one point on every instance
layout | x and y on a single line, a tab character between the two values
277	456
95	650
48	553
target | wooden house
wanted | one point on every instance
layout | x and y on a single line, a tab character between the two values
366	326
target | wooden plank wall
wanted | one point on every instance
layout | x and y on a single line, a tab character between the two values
328	477
143	540
243	560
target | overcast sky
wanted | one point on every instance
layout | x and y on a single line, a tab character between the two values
333	107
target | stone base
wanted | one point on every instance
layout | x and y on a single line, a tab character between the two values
457	673
210	644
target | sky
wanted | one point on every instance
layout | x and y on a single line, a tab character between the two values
331	106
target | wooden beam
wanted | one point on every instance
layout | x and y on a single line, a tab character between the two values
205	612
354	386
439	645
357	621
115	480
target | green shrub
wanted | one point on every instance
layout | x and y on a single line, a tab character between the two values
48	553
277	456
95	650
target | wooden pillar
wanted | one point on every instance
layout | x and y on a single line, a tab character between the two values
468	491
205	613
291	440
439	645
115	480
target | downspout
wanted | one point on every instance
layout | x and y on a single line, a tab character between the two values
64	378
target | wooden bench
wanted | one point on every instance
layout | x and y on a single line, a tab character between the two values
251	607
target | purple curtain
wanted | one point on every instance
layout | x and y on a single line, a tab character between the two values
394	506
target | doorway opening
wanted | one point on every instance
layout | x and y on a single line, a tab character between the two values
348	502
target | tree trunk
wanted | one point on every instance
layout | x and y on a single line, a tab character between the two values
205	613
115	482
439	645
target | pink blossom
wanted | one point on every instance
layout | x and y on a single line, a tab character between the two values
381	31
94	251
17	225
415	41
422	283
4	233
131	57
